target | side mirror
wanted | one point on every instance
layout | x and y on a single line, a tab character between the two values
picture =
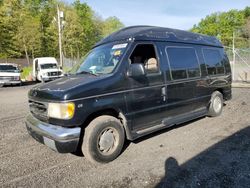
21	70
136	70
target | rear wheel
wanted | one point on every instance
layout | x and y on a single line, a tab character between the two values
216	104
103	139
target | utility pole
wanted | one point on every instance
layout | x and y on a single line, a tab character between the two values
233	66
59	16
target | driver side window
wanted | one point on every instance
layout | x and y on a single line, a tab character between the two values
145	54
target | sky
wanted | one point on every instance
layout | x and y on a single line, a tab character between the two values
179	14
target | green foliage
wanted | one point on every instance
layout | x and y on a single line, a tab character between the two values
28	34
27	71
28	28
224	24
110	25
9	19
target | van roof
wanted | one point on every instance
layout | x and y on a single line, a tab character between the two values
153	33
46	60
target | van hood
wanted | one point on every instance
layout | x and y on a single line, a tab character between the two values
64	88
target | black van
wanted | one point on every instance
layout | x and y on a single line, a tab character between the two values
134	82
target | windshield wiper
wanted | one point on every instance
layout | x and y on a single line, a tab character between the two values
86	72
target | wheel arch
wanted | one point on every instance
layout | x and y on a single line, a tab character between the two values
111	112
222	91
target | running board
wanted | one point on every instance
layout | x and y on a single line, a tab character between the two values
152	129
185	117
171	121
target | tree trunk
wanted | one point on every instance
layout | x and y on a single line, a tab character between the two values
78	53
32	54
65	53
26	52
71	53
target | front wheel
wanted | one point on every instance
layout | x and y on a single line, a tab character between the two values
216	104
103	139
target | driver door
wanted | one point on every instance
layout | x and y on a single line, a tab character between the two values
146	95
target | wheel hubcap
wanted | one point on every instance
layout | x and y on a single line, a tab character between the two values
107	141
217	104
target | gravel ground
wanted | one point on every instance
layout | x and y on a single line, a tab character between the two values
208	152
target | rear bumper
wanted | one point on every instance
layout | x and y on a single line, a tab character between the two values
60	139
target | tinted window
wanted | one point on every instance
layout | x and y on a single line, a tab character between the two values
8	68
213	61
48	66
145	54
183	63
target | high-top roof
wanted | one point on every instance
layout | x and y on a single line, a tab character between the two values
152	33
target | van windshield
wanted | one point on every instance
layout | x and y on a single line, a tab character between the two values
101	60
9	68
49	66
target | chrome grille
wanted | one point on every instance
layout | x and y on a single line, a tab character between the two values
39	110
57	73
10	78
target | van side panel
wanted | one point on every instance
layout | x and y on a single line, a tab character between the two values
181	92
194	94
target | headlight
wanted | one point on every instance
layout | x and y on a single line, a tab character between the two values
61	110
44	74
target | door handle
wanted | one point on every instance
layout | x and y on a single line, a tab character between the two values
163	93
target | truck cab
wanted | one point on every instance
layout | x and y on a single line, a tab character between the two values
46	69
10	74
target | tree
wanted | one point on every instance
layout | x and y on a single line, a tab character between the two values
247	12
72	34
9	19
49	39
208	26
246	31
28	34
28	28
223	25
91	31
110	25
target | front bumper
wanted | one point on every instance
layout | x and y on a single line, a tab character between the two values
50	78
10	82
60	139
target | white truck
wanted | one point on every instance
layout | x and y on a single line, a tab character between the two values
46	69
9	74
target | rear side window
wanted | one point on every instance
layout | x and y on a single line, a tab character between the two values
183	63
214	61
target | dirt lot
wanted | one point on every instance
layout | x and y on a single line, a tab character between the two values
209	152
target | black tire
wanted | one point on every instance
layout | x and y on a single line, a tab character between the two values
216	104
99	129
